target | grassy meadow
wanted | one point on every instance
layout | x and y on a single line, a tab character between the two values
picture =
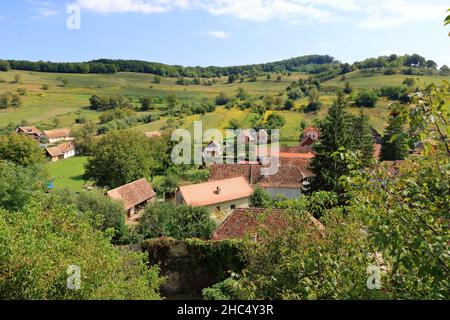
68	173
66	103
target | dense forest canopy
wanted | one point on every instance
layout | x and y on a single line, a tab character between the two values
312	64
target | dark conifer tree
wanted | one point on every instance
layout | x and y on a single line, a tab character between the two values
336	132
363	139
397	148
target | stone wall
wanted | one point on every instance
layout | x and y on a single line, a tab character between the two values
192	265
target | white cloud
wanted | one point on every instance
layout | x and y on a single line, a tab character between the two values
42	9
219	34
46	12
369	13
140	6
259	10
256	10
393	13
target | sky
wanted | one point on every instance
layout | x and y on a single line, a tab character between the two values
221	32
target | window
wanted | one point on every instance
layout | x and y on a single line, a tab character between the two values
233	206
218	208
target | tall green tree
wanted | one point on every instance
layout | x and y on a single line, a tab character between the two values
363	140
100	210
172	102
335	133
85	140
242	94
121	157
146	103
21	149
19	185
393	144
4	65
274	121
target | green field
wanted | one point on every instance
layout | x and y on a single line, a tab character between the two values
42	107
360	81
64	103
68	173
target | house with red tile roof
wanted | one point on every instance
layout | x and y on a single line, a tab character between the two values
57	135
292	176
250	222
32	132
134	196
310	136
220	196
60	152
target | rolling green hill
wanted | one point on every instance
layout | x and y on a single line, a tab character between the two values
60	105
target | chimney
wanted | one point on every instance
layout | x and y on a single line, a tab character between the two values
218	190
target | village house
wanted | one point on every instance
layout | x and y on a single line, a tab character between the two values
220	196
253	136
33	132
134	196
249	222
63	151
57	135
153	134
290	181
310	136
212	150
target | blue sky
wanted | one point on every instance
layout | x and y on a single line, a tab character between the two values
223	32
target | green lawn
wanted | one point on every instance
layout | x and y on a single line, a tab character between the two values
68	173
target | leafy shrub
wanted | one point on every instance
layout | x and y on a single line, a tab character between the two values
180	222
225	290
366	98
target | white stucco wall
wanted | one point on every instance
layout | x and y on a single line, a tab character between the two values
69	154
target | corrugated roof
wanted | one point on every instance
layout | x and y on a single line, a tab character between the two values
212	192
133	193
